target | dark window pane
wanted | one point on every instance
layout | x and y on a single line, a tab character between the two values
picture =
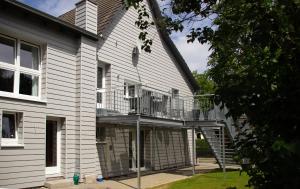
125	86
28	84
175	93
29	57
6	80
131	90
99	97
99	78
7	50
8	126
100	134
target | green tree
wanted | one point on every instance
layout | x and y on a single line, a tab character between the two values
255	66
206	83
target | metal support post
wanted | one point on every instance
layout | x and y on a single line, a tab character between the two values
138	132
193	149
114	100
223	149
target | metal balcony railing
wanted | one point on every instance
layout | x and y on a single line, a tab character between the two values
155	103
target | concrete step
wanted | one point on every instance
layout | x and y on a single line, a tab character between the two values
58	184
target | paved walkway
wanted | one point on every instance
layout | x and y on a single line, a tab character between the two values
150	181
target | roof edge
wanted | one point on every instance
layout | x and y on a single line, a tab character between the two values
52	19
84	1
170	44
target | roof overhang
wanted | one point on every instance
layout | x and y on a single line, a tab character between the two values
46	18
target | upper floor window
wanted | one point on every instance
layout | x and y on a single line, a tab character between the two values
29	56
7	50
175	93
130	90
100	77
19	68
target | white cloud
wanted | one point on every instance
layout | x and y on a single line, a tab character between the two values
195	54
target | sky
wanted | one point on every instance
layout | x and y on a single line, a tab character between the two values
195	54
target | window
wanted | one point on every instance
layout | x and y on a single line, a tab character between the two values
100	134
175	93
6	80
28	84
29	57
19	68
130	90
7	50
9	126
99	97
100	78
12	130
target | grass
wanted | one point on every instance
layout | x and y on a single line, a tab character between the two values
217	180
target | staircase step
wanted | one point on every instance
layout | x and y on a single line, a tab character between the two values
58	184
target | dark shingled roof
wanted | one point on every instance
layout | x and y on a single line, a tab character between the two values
106	12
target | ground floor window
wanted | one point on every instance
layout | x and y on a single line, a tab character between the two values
12	130
100	134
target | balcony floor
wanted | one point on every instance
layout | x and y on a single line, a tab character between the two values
148	121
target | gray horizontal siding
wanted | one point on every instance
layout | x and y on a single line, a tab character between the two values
27	161
87	63
170	149
59	87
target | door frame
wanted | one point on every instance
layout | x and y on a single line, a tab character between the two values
54	171
101	90
134	153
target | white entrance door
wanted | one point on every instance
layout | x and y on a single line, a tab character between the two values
53	147
133	151
100	86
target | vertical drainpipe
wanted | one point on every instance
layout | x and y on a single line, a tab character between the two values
138	153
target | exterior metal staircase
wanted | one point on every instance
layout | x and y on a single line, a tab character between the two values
221	136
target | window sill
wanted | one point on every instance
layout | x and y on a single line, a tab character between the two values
3	145
21	97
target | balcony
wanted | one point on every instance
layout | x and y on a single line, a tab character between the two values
154	103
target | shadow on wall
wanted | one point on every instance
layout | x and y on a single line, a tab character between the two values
113	152
171	149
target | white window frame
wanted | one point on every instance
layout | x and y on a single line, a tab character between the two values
103	76
126	85
10	141
101	90
18	69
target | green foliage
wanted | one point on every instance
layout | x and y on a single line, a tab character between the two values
207	87
143	23
205	82
255	64
203	148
